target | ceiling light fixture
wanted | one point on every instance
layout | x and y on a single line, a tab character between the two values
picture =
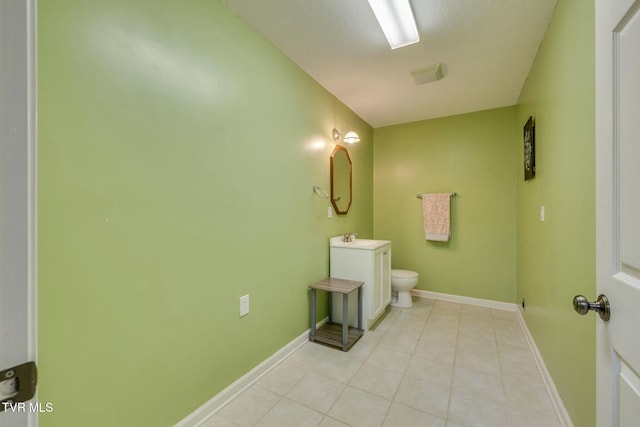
397	21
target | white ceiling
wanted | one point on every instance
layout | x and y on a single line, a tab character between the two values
486	46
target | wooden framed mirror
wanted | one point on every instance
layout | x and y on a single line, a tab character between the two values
340	166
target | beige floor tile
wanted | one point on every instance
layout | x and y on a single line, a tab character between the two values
381	328
426	302
219	421
338	366
309	354
380	382
508	329
481	344
521	379
316	392
447	307
404	416
519	372
505	315
288	413
359	408
246	409
362	349
419	313
446	327
516	342
481	362
443	319
467	410
431	371
478	315
384	358
478	384
515	356
529	400
477	329
331	422
525	374
443	353
439	336
520	420
282	378
392	313
449	327
406	327
438	364
470	325
397	341
374	335
423	396
475	310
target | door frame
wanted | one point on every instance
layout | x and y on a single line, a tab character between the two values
32	174
24	50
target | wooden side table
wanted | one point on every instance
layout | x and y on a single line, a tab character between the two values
335	334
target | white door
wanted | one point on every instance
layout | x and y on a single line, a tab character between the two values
618	210
17	198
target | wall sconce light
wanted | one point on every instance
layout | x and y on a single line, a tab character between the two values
350	137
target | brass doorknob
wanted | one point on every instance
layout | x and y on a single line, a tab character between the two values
582	306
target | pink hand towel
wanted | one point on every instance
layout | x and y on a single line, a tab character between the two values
437	216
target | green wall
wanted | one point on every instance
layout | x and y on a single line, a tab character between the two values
471	154
177	154
556	258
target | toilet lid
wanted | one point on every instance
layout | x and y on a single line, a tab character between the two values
404	274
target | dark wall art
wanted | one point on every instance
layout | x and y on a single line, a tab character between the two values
529	150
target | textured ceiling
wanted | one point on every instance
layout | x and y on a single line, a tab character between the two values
486	48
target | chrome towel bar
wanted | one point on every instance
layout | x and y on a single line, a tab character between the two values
419	196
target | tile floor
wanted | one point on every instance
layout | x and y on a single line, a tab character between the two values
437	364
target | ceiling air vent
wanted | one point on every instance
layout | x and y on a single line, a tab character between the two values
428	74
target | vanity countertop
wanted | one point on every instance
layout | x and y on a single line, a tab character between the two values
368	244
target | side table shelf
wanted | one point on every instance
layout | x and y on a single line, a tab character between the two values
335	334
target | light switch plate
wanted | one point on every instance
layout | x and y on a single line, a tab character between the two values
244	305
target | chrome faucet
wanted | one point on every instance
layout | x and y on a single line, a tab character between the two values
349	237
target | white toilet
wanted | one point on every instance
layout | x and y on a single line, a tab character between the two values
402	281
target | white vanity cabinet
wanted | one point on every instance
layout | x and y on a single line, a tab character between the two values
368	261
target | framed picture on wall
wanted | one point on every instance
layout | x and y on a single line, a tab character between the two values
529	150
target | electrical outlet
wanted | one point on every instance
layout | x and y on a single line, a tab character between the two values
329	212
244	305
542	213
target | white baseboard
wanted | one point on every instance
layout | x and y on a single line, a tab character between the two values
199	416
558	405
499	305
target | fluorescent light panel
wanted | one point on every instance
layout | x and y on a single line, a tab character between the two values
397	21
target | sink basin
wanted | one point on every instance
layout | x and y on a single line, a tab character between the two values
337	242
